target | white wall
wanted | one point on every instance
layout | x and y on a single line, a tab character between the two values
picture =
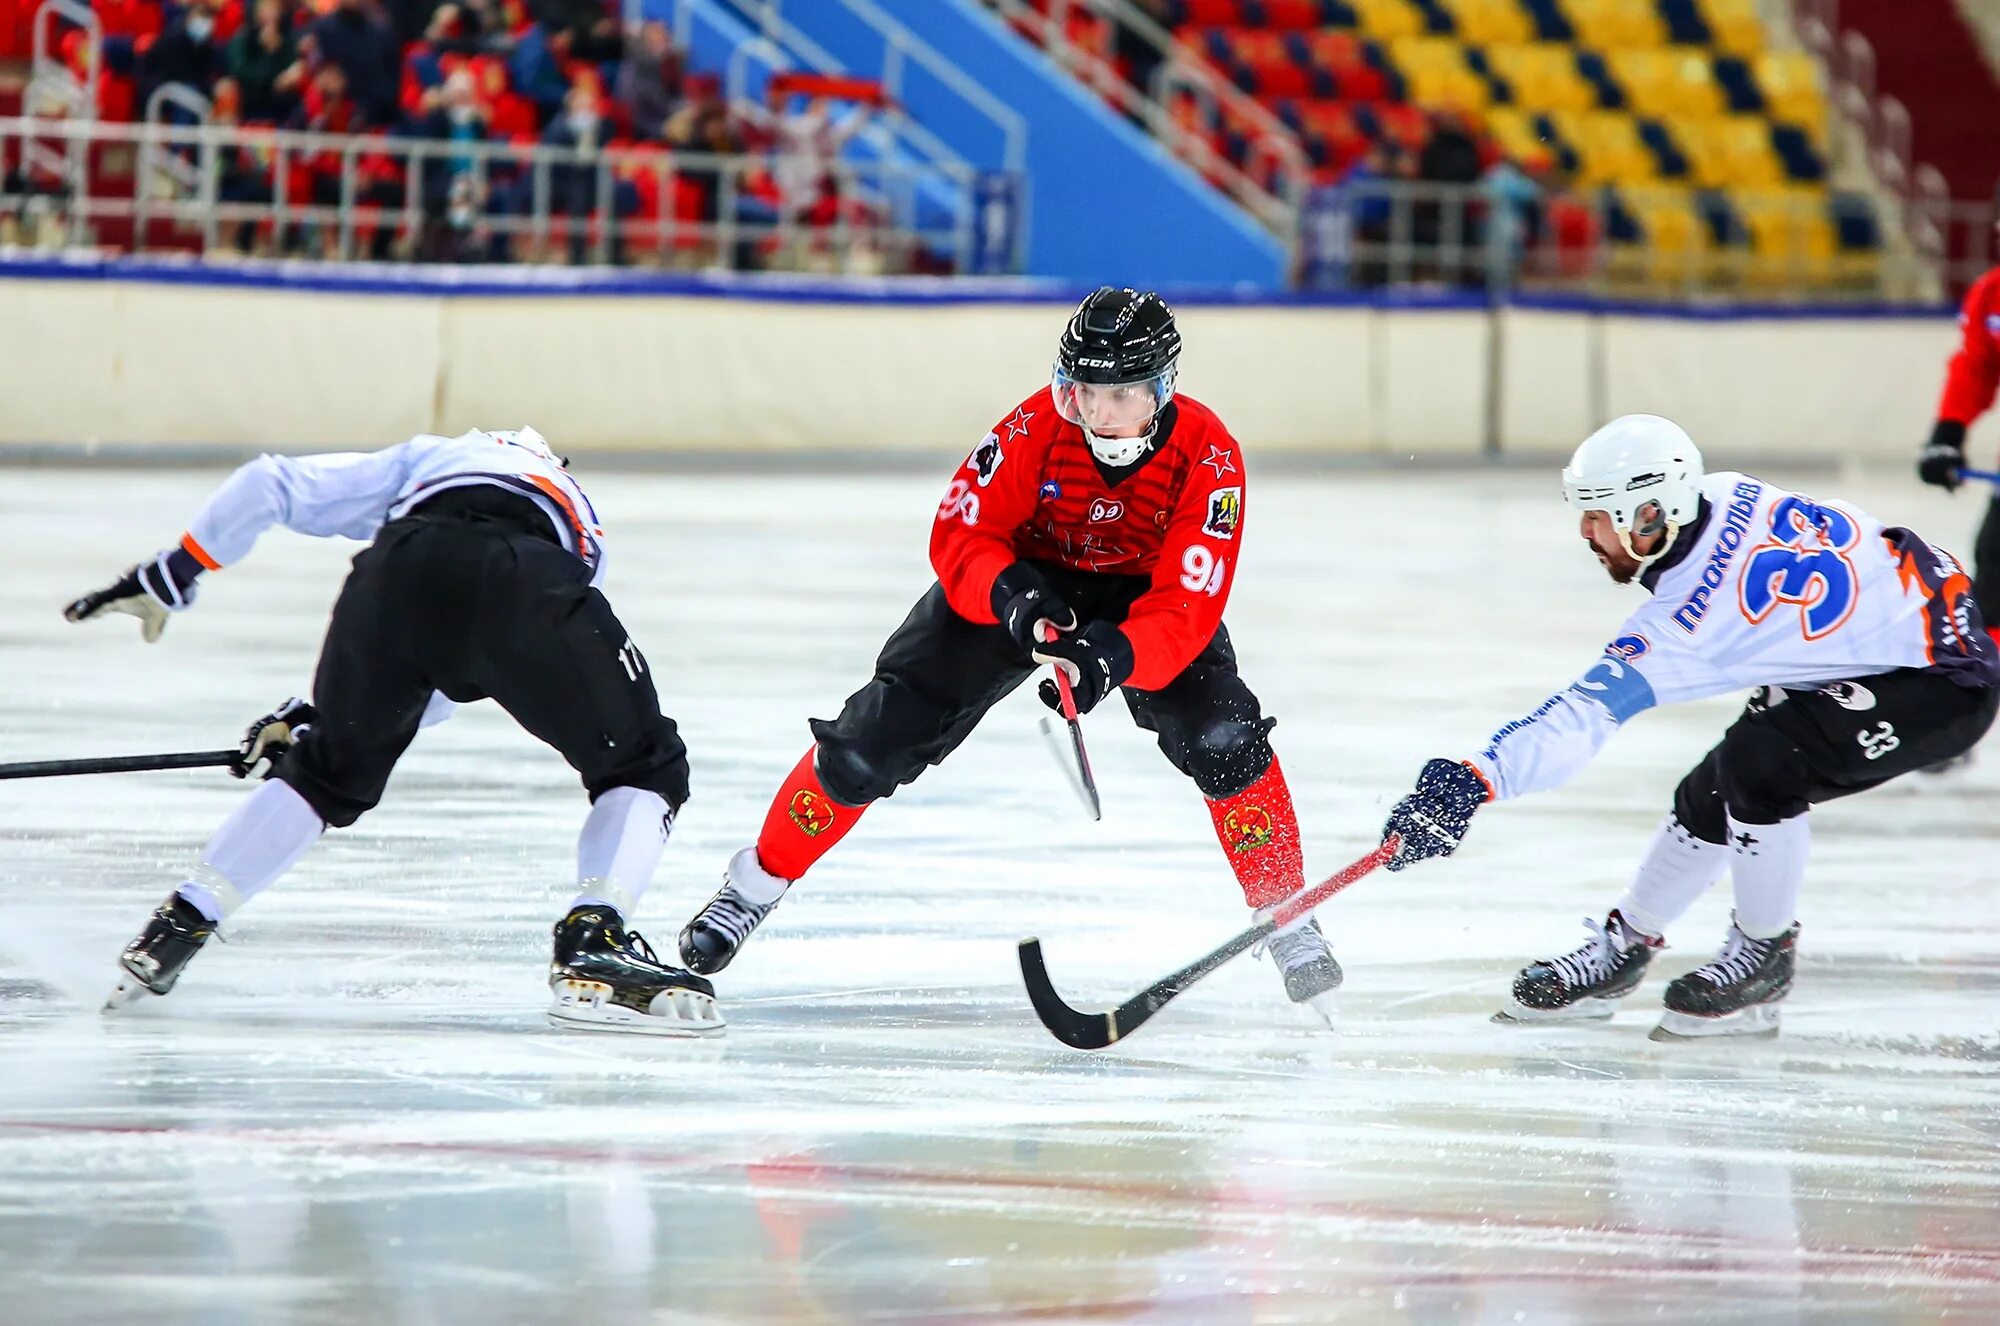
108	361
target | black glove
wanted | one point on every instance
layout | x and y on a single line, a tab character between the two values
149	592
1023	601
1432	820
266	740
1098	659
1943	457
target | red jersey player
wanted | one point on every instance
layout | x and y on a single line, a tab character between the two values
1112	510
1971	380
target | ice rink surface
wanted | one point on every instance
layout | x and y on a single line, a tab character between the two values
354	1112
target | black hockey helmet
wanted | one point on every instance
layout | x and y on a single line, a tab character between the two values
1115	369
1119	336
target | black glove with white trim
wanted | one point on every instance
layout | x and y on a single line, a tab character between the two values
1433	819
1022	601
1098	659
1942	461
267	740
149	591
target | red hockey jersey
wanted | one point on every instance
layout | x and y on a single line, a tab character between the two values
1974	373
1032	490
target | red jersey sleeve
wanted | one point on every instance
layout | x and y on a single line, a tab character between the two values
1974	372
972	540
1172	621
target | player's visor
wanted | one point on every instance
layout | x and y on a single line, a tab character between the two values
1106	409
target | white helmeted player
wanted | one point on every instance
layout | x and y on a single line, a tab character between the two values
1869	660
479	581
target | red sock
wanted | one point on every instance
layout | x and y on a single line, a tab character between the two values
803	823
1260	831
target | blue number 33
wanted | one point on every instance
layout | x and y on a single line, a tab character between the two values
1805	564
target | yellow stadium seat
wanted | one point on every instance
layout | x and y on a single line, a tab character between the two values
1792	239
1386	20
1729	151
1675	239
1514	130
1542	76
1437	75
1491	22
1668	82
1791	86
1607	146
1609	25
1737	28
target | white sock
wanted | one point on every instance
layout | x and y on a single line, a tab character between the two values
1770	867
620	844
1677	868
753	883
262	839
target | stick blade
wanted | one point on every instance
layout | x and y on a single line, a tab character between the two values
1078	1030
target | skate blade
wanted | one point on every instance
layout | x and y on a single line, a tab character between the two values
1758	1022
128	991
587	1006
1517	1013
1322	1006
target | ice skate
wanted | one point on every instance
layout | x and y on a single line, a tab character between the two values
718	931
152	962
1736	995
1308	966
606	978
1585	984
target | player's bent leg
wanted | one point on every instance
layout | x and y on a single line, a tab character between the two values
935	678
1211	727
1986	567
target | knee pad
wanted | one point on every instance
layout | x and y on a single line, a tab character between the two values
854	777
338	809
1225	753
1698	805
1756	784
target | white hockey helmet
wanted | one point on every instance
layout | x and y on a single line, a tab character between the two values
1642	471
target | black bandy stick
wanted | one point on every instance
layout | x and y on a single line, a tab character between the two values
194	759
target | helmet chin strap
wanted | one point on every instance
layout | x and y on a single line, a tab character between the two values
1666	542
1121	450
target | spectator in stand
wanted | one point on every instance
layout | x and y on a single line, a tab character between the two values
241	178
264	62
189	51
580	29
408	19
1133	50
1445	224
703	130
536	67
355	39
807	145
426	62
1513	211
573	185
450	182
649	81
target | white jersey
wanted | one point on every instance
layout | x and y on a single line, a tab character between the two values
1765	588
352	494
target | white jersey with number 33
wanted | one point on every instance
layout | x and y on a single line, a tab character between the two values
1766	588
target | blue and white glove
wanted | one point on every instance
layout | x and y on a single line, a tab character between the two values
1433	819
149	591
267	740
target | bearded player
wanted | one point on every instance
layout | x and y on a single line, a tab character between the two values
1111	510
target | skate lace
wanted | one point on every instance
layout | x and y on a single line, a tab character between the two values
636	942
1592	961
1738	961
1296	947
734	916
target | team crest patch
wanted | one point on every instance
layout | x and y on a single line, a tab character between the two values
811	812
1051	490
1103	510
986	458
1628	647
1248	827
1225	512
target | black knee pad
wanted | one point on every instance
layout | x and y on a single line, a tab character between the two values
1756	779
656	762
854	774
667	776
340	808
1698	802
1225	753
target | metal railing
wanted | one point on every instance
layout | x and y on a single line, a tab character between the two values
1276	175
216	189
1488	238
